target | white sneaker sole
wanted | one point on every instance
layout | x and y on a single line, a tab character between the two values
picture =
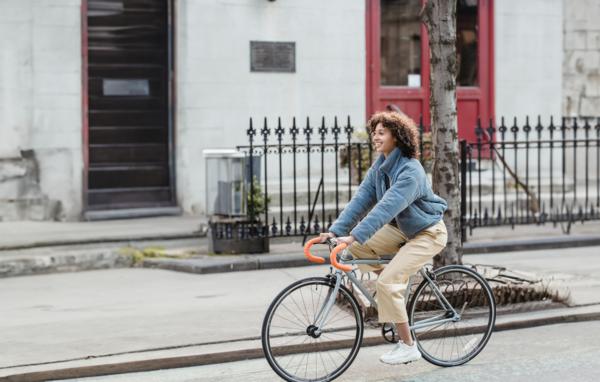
403	361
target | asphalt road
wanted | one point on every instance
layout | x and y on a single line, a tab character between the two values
565	352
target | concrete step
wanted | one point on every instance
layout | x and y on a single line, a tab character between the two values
303	212
302	196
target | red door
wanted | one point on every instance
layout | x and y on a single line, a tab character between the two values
398	60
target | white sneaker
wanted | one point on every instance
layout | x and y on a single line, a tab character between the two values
402	353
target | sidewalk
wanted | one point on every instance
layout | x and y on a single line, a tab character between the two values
119	320
46	247
28	248
290	253
30	234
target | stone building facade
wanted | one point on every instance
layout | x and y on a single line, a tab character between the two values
546	58
581	64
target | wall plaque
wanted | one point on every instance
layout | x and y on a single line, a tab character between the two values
272	56
114	87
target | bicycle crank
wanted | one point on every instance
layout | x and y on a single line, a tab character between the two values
387	331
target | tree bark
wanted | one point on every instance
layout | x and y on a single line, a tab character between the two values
439	17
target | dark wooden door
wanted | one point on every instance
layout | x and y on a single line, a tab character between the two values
129	132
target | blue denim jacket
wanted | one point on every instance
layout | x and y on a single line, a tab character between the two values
409	200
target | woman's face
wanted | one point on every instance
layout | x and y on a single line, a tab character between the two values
384	140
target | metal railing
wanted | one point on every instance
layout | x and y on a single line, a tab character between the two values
554	177
541	175
308	145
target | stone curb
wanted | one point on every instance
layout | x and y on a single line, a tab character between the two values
81	260
273	261
249	263
246	354
72	261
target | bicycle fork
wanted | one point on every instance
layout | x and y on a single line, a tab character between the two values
328	302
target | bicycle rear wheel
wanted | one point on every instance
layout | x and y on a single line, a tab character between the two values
292	348
453	343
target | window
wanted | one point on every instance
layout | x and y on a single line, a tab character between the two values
400	44
466	42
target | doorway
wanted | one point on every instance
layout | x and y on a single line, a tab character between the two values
130	98
398	61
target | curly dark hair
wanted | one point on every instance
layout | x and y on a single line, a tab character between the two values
403	129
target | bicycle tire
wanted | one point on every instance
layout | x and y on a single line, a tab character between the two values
479	318
320	348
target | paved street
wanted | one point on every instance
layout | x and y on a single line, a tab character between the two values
66	316
73	316
565	352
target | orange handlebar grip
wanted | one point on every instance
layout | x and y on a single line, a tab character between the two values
334	262
307	251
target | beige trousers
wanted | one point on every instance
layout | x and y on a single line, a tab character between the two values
392	282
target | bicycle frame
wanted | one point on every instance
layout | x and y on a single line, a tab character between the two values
330	300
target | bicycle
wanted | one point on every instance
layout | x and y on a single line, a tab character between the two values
306	336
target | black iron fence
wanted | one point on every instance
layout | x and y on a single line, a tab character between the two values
531	175
509	176
350	151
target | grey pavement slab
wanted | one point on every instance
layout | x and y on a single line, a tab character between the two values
577	268
26	234
564	352
57	317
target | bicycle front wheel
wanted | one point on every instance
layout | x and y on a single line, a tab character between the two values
291	346
456	342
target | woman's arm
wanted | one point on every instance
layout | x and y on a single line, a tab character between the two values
364	199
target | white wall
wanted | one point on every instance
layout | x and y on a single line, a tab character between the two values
217	93
528	59
40	109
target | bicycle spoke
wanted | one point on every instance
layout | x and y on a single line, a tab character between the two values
432	328
282	327
331	318
338	342
321	355
300	364
295	323
303	334
304	304
303	313
335	350
338	334
339	319
307	357
294	354
328	352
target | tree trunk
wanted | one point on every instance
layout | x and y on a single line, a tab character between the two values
439	17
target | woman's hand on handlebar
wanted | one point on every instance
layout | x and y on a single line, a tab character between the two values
346	239
325	236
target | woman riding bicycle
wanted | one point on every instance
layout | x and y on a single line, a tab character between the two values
400	208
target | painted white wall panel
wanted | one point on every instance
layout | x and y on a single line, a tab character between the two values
528	59
217	93
40	109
